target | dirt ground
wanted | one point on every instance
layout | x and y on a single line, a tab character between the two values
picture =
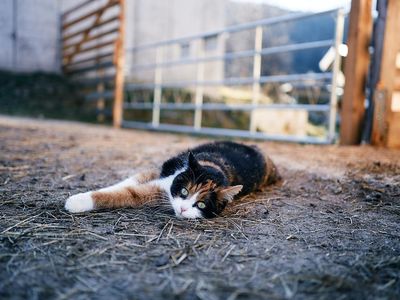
330	231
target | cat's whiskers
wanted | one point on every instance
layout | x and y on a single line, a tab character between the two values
159	200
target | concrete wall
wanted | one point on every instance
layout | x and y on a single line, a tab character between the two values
29	32
150	21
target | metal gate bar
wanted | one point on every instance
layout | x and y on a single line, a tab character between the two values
240	54
235	28
159	66
232	81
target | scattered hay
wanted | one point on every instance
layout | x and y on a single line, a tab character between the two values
316	236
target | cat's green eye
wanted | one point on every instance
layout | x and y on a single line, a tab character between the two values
201	205
184	192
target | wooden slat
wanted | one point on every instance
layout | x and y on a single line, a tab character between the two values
99	66
79	6
93	59
94	81
356	70
111	3
92	38
95	47
119	67
101	23
96	95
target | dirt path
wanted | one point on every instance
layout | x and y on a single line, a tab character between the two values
331	231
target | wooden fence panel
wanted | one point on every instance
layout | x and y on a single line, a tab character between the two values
92	46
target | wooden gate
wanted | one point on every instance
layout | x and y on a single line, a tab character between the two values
92	43
375	77
386	121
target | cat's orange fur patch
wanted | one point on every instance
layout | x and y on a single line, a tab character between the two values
128	197
201	189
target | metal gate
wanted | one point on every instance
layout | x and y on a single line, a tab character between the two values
198	107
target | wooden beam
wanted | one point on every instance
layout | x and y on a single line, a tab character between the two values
356	70
119	69
386	126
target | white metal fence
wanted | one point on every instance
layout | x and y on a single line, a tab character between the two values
159	69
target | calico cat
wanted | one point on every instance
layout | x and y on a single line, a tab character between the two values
197	183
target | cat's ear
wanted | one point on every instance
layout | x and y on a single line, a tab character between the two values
193	163
230	192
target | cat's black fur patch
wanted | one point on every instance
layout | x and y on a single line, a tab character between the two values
235	164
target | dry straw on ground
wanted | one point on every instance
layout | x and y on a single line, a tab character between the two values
331	231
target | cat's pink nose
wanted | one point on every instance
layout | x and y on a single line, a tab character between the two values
183	209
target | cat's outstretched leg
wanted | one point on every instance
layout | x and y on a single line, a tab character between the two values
132	192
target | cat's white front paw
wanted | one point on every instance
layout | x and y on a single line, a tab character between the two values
80	203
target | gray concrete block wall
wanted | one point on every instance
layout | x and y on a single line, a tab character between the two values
6	30
150	21
35	26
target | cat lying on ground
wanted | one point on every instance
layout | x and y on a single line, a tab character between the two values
197	183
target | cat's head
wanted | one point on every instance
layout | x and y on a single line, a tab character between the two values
201	191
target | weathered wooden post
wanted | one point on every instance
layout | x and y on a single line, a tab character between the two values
356	70
386	123
119	61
